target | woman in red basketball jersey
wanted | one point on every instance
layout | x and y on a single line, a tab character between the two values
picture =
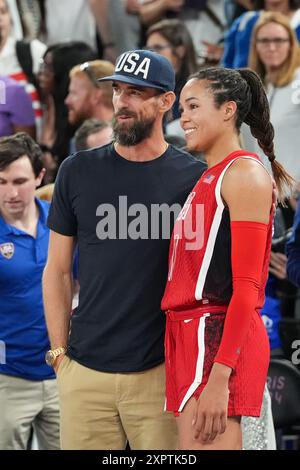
217	349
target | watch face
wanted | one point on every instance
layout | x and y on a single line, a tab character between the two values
49	358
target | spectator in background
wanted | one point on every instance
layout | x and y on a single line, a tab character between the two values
93	133
70	20
118	24
238	38
172	39
204	19
235	8
16	113
54	81
88	98
274	55
32	16
28	393
20	60
17	30
293	251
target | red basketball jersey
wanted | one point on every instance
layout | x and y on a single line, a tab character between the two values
200	250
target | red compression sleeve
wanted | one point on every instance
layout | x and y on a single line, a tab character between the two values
248	248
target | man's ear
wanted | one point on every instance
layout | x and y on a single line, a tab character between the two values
166	101
39	178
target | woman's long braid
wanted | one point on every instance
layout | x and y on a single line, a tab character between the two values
258	119
245	88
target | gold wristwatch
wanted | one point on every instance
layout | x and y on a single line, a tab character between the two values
52	354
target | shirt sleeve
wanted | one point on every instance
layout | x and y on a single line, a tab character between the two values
62	218
20	106
229	45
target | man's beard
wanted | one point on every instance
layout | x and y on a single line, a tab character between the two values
134	133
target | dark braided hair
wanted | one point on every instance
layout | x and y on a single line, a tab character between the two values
245	88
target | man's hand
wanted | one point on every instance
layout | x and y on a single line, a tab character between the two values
57	362
174	5
132	7
277	266
214	52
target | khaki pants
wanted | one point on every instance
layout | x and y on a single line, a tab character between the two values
103	410
25	404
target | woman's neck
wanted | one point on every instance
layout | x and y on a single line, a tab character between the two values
221	149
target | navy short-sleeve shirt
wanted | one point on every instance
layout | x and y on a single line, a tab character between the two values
122	214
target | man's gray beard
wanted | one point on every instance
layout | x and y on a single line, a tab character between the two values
133	135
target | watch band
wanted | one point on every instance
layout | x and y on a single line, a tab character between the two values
52	355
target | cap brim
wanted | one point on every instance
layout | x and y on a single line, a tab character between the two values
130	81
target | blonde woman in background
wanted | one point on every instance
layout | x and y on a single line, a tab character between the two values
274	55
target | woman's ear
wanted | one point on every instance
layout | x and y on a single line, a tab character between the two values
229	110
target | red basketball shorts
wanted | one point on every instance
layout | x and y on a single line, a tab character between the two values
191	344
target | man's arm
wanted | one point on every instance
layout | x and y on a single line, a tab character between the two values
154	10
100	10
57	289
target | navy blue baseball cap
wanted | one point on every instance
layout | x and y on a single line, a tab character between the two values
144	68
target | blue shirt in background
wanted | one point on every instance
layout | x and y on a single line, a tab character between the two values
23	332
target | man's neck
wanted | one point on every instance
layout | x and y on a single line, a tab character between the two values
148	149
26	220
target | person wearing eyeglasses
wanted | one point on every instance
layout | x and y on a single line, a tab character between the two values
275	56
238	37
87	98
54	81
172	39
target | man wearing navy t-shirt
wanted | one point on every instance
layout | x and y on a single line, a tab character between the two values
118	202
28	394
